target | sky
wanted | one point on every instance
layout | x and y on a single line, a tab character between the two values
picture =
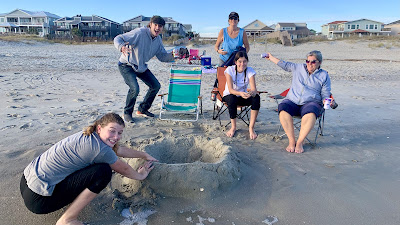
209	16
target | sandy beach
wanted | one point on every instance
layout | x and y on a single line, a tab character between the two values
352	176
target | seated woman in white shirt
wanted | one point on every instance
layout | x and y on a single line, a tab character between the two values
238	77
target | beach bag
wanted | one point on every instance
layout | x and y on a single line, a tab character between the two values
231	60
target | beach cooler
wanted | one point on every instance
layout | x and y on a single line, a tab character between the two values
206	60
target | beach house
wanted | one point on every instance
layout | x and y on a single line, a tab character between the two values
257	28
171	27
295	30
94	26
393	27
24	21
361	27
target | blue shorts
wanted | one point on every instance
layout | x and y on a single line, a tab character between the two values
300	110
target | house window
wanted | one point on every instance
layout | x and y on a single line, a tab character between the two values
358	26
366	26
371	26
348	26
353	26
376	26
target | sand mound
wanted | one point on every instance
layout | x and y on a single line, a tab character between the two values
191	167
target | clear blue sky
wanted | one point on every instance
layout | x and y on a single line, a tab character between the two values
208	17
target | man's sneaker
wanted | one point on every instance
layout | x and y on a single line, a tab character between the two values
145	114
128	118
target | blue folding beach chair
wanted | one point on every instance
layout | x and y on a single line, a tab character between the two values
184	98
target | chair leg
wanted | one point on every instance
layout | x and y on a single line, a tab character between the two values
218	111
322	124
244	113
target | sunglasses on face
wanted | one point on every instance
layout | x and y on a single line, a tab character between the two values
233	18
311	62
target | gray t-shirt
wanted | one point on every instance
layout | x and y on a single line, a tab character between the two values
144	48
64	158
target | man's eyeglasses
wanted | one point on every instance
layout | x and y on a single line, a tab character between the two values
233	18
311	62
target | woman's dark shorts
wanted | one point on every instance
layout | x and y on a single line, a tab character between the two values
300	110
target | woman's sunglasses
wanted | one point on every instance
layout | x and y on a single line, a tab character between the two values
311	62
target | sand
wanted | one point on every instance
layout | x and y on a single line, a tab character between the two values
50	91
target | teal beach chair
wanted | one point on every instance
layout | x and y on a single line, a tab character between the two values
184	102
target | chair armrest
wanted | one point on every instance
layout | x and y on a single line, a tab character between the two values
277	97
163	94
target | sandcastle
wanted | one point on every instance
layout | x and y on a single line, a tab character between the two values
190	167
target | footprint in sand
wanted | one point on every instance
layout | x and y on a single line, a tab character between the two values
8	127
18	99
17	106
25	126
14	115
270	220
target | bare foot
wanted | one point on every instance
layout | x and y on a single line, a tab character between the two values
72	222
290	147
299	148
231	132
253	134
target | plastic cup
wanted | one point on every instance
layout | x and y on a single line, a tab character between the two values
327	104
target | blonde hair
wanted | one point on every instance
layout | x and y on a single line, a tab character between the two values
104	121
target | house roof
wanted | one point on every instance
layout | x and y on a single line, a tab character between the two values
188	26
300	30
257	25
363	19
287	24
395	22
106	19
338	21
36	14
142	18
267	28
93	18
138	19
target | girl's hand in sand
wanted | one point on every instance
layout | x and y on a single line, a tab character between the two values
150	158
145	169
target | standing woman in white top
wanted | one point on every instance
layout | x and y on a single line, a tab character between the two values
238	77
